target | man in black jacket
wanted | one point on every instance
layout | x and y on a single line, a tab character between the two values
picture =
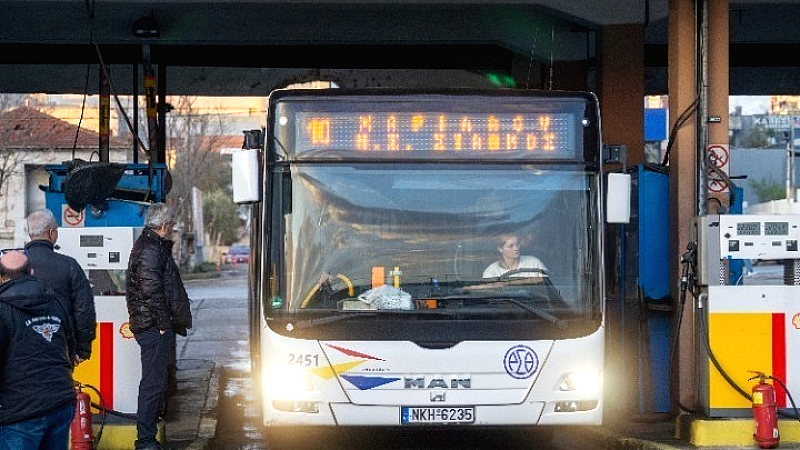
37	395
158	307
65	277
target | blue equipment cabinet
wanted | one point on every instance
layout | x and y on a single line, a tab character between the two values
642	312
139	185
652	204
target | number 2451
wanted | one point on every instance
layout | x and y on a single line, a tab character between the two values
305	360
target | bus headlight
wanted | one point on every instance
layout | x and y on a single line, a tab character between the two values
585	381
288	390
286	383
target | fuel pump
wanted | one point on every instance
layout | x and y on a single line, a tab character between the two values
115	367
747	324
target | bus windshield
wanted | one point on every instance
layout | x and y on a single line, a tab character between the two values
428	239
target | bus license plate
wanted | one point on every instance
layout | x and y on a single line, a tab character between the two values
413	415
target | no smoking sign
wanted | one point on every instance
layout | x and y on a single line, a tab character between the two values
718	157
71	218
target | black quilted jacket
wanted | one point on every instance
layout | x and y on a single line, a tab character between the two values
154	290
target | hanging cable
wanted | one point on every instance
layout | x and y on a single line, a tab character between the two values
679	122
90	11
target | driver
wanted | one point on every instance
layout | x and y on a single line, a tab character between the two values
510	259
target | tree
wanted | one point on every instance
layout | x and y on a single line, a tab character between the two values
767	189
10	161
193	136
221	217
9	164
758	137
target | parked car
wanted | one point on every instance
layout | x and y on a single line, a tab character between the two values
238	253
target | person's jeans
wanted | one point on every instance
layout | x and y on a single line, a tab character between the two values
155	349
49	431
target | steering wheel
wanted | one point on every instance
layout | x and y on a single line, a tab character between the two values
541	272
553	295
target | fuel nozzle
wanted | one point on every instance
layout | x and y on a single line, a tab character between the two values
687	259
688	255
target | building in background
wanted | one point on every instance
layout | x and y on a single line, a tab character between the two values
29	140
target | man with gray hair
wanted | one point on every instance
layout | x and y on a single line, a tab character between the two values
158	307
66	278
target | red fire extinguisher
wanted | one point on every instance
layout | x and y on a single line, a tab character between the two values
81	427
765	413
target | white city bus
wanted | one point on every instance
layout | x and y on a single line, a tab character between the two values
375	214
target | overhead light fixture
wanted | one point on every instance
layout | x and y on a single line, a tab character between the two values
146	27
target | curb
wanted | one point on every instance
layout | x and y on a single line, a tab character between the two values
733	432
208	415
607	438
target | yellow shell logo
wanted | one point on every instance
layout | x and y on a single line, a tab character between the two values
125	331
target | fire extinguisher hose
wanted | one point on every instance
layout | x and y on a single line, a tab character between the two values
103	411
791	400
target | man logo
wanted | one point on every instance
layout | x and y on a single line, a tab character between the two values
438	383
437	396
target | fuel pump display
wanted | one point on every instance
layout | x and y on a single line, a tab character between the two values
759	237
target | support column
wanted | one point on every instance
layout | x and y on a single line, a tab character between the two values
621	87
682	181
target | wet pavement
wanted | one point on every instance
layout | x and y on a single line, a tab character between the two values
218	342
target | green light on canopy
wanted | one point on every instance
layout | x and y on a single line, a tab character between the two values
501	80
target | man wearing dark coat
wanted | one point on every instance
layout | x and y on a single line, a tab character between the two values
158	307
65	277
37	394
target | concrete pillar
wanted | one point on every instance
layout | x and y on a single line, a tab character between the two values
682	182
620	87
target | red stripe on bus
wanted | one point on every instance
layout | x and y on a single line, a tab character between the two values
779	356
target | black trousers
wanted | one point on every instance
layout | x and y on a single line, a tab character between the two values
155	350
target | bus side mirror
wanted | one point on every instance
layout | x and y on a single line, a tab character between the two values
246	188
618	198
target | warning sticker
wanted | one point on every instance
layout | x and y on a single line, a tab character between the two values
719	161
71	218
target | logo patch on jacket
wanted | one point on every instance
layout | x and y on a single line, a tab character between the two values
47	330
44	327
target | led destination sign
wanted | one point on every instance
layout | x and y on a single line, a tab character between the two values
540	134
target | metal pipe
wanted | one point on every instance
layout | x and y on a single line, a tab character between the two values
135	90
701	174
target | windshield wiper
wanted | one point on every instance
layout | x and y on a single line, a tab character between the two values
542	314
537	311
311	323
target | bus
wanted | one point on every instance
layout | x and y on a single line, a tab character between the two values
376	215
